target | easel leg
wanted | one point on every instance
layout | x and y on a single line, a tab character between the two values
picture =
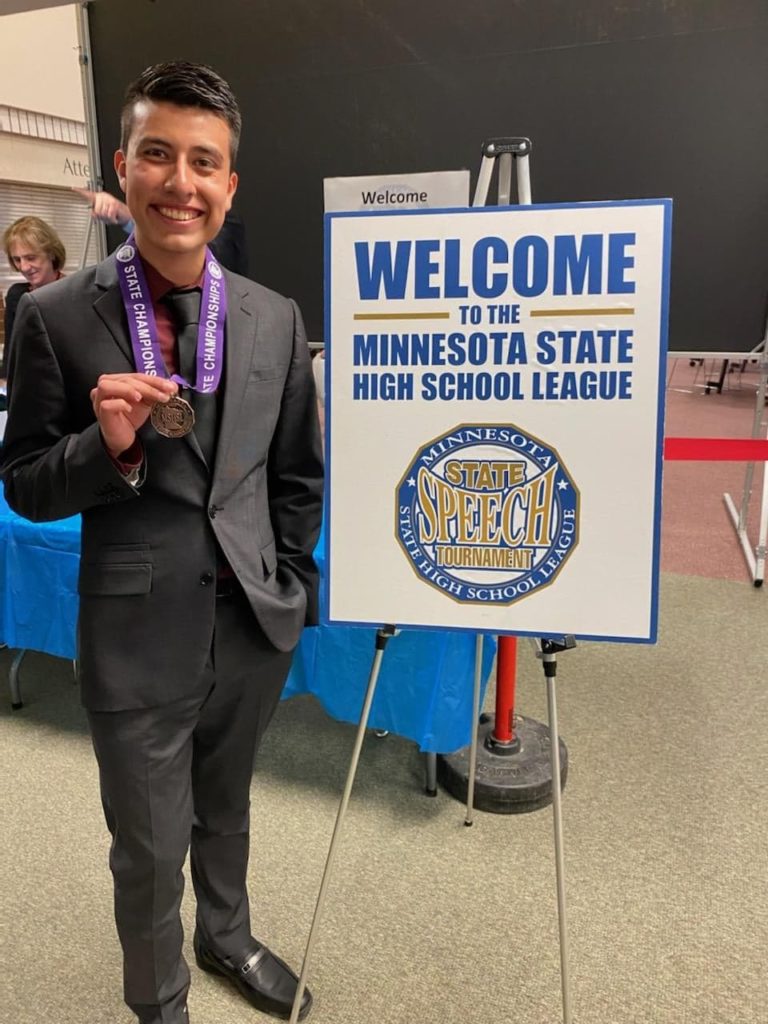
550	668
382	636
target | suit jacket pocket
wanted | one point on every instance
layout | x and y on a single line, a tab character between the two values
265	373
115	579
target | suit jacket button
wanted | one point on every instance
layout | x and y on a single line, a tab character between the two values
206	579
212	510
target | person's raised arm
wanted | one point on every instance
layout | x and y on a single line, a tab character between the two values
106	207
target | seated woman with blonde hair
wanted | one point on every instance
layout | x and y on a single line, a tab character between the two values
36	251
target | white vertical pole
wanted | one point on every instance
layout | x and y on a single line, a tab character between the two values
755	559
96	181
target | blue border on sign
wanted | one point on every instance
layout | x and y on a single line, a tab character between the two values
325	590
666	206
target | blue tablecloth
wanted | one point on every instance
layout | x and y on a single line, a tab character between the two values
424	690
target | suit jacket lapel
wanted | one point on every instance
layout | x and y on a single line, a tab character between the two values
242	321
109	306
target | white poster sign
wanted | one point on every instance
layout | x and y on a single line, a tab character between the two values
431	190
495	417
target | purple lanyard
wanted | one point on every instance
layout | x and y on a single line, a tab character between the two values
137	300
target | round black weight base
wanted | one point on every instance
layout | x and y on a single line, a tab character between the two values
505	783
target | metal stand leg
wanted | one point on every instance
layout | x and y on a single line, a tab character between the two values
755	559
547	650
382	636
718	384
430	786
13	680
550	668
762	536
475	718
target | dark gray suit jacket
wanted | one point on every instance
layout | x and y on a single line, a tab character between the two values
149	555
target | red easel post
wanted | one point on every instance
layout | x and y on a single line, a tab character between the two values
506	676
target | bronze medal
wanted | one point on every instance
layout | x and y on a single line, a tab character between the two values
174	418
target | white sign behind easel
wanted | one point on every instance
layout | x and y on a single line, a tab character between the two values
495	417
423	191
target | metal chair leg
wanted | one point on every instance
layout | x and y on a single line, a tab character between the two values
13	680
430	762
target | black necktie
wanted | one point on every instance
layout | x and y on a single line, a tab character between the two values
185	308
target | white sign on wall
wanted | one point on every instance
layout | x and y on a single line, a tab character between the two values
43	162
495	417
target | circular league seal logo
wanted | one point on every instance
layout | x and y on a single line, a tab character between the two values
214	269
488	514
125	253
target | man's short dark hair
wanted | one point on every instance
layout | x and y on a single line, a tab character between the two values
187	85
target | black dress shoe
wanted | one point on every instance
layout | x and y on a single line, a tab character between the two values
266	981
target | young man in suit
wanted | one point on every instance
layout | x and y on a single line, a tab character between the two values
172	404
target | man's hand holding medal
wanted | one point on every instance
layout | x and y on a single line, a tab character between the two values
124	401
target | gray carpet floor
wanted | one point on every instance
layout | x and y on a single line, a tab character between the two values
665	838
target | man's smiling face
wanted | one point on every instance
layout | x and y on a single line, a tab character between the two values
177	178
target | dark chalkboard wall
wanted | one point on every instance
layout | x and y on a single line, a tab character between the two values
662	98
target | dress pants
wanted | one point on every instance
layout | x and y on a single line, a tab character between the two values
177	778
